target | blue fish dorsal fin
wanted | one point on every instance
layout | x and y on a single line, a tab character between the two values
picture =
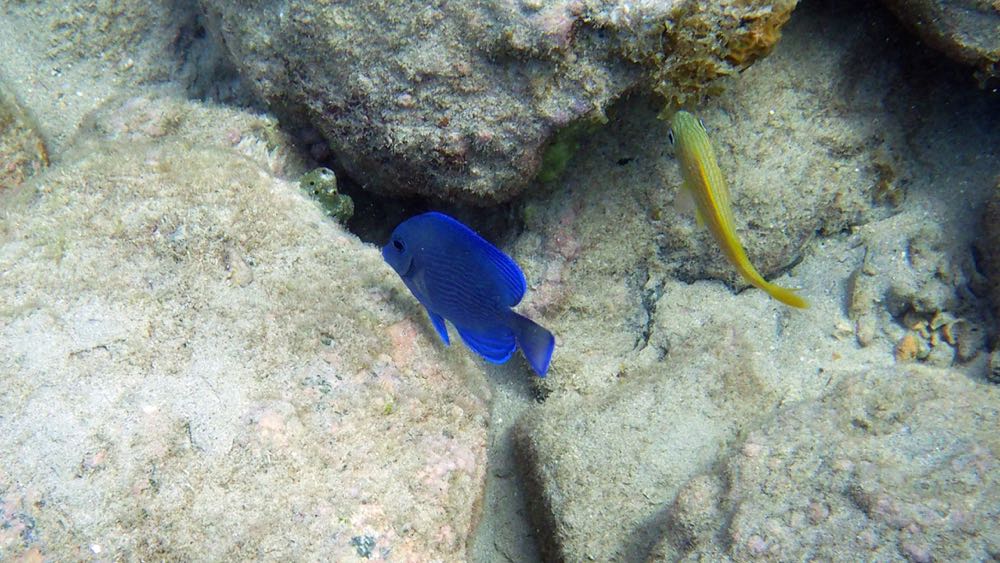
438	322
513	283
496	346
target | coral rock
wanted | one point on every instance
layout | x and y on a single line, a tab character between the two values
968	31
461	99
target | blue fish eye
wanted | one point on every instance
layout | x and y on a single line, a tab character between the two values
670	137
398	244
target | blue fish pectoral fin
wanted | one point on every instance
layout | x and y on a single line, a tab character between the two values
438	322
536	342
496	346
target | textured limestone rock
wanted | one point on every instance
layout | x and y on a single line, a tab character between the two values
914	287
197	364
460	99
889	465
22	150
810	142
142	37
599	469
62	60
799	162
988	247
968	31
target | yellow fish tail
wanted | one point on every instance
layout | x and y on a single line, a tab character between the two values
783	294
704	179
749	273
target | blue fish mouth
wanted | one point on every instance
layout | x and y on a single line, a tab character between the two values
409	268
402	264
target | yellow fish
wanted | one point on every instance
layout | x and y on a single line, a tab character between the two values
703	179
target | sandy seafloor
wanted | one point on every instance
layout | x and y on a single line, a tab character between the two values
948	168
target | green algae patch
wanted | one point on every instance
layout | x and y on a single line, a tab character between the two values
564	145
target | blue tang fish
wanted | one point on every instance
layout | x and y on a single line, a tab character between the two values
457	275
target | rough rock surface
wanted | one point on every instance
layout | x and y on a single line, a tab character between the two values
800	162
64	59
968	31
915	286
599	467
889	465
459	99
22	150
897	194
988	247
144	37
989	250
196	364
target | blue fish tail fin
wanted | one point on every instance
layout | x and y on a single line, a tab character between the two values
536	342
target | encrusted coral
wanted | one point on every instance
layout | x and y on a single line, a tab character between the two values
703	42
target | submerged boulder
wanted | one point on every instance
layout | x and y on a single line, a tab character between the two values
22	150
460	100
968	31
198	364
890	465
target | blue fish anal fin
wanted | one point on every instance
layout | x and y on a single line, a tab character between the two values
496	346
438	322
536	342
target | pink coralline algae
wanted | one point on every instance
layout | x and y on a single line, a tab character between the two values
447	459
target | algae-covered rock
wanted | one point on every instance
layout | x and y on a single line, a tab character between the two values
923	302
600	468
149	116
460	99
988	247
64	59
22	149
135	36
197	364
889	465
968	31
604	250
989	250
654	377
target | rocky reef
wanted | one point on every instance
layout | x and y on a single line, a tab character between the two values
988	247
460	100
200	361
197	363
892	464
873	212
968	31
22	148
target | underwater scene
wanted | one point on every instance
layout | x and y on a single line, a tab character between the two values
499	281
